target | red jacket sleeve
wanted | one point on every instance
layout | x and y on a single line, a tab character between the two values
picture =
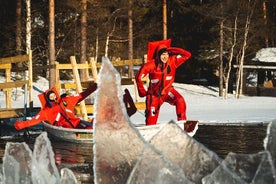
87	92
32	122
138	78
182	55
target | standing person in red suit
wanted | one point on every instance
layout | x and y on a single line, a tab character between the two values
161	65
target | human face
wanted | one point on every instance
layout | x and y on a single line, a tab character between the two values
164	57
52	97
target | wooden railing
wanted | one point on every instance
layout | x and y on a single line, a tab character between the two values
6	64
17	112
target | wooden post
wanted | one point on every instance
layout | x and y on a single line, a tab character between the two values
57	76
30	83
94	69
79	87
8	92
86	72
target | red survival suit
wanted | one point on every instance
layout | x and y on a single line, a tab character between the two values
60	113
161	77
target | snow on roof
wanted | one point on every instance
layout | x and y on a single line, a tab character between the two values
266	55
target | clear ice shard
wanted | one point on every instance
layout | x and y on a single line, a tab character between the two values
17	163
117	144
44	169
21	165
270	141
153	167
192	157
67	176
244	168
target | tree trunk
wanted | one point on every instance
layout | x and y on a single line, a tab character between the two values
106	45
239	83
83	73
52	58
18	28
97	45
221	60
130	38
230	59
164	19
265	23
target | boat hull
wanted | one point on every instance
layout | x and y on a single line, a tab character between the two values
86	135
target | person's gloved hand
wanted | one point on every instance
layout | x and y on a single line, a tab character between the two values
20	124
173	50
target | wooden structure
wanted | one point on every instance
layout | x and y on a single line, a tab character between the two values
263	69
18	112
6	64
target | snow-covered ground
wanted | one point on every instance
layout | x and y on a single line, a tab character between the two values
203	103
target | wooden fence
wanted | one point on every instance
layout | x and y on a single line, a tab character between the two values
6	65
17	112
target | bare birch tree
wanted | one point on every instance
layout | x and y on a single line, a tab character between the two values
230	59
130	38
239	82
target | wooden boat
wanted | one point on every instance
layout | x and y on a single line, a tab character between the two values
86	135
68	134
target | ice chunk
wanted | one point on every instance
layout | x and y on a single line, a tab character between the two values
193	157
244	168
117	144
270	141
154	167
266	171
44	169
17	162
67	176
21	165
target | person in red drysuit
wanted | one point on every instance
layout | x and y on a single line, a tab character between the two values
59	111
161	66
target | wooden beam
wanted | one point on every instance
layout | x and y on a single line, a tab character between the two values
5	66
69	66
16	112
127	62
14	59
13	84
257	67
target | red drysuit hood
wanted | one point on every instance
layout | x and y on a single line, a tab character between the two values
154	47
43	97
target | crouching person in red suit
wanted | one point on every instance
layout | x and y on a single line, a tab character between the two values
161	65
59	110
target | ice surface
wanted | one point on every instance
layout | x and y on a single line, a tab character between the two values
17	162
117	144
154	167
21	165
244	168
67	176
192	157
270	141
44	169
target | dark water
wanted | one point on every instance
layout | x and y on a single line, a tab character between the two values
221	139
244	139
